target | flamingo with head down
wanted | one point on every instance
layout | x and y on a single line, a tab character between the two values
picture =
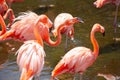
78	59
4	13
22	29
100	3
68	28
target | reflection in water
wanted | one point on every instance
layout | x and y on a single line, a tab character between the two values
10	71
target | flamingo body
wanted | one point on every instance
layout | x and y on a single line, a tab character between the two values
22	29
77	60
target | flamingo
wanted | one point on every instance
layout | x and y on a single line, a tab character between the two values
68	29
13	1
22	29
4	13
78	59
30	58
100	3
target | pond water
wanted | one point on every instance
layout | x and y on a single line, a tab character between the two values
108	61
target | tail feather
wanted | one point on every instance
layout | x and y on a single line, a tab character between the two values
59	69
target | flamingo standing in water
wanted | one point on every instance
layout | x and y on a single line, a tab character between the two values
100	3
68	29
78	59
31	57
4	13
22	29
13	1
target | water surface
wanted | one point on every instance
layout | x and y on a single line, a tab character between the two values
108	59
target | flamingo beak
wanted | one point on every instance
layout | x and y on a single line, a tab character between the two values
54	33
103	34
79	20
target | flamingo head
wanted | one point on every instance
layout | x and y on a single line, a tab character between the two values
100	3
98	27
74	20
46	21
54	32
68	23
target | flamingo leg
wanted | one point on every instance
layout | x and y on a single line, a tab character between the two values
80	76
65	50
67	34
7	35
115	23
11	17
77	77
36	78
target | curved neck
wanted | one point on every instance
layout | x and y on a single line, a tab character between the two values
3	25
58	40
38	37
95	44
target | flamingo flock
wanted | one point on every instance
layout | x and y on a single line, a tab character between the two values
33	30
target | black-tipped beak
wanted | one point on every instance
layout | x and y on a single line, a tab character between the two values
103	34
80	20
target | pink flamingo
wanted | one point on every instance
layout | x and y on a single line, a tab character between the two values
78	59
4	13
13	1
100	3
68	29
22	29
31	57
